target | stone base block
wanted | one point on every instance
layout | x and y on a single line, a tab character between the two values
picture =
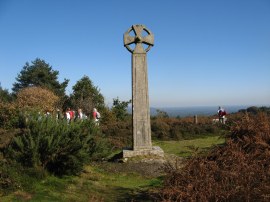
156	151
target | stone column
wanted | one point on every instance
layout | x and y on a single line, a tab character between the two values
140	102
142	144
195	119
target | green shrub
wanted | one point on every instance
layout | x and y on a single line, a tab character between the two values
160	129
7	182
9	115
176	133
119	134
56	146
13	176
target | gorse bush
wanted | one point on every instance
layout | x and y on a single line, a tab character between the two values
56	146
237	171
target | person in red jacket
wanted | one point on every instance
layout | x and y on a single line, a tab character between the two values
96	116
221	115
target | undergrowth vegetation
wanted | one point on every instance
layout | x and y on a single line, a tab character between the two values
237	171
34	148
119	133
55	146
184	128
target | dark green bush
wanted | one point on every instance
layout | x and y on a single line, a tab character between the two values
7	181
160	129
176	133
119	134
14	176
56	146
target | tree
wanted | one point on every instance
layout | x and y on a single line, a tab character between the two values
40	73
37	98
161	114
86	96
4	95
119	108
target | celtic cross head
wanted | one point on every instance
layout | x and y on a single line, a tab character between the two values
141	35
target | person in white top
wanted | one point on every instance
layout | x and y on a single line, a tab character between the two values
68	115
80	114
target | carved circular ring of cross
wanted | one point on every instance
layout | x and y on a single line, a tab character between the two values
138	38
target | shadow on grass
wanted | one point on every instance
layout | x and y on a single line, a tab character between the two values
127	194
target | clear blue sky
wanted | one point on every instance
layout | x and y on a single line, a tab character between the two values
206	52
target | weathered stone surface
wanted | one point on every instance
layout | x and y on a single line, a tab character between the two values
138	39
140	98
154	151
142	144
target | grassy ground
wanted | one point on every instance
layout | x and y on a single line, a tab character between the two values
94	184
99	184
186	148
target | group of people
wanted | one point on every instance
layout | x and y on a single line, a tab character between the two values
71	115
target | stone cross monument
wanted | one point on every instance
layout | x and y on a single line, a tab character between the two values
142	40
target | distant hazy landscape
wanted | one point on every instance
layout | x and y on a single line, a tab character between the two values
198	110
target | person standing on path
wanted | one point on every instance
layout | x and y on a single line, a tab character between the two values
221	115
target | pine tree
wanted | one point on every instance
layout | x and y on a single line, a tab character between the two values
39	73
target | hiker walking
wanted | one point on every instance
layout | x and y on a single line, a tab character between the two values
96	116
80	114
67	115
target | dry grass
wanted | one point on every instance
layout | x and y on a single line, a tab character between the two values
238	171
